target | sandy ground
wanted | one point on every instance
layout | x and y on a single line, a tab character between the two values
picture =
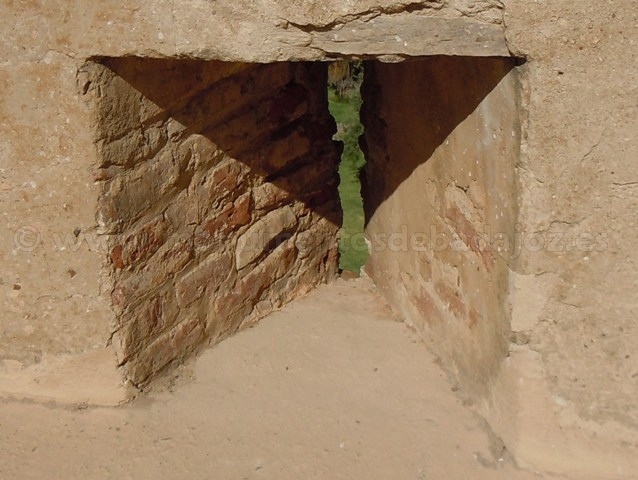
331	387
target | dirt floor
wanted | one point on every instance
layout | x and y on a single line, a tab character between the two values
331	387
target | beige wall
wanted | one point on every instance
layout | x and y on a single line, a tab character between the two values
442	139
572	314
567	385
577	174
51	299
56	285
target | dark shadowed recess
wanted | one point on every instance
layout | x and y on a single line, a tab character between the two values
230	105
442	90
463	82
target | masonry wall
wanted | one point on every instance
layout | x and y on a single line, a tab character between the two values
567	389
218	197
562	396
442	138
57	279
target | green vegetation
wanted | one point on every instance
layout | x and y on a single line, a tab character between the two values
345	110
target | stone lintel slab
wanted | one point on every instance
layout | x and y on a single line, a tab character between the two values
411	36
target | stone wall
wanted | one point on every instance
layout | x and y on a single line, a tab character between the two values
442	139
218	197
562	374
57	272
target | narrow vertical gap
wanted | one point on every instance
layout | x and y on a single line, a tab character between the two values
344	83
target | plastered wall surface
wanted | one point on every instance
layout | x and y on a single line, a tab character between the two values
442	139
576	304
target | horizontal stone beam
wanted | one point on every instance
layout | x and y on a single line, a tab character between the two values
412	35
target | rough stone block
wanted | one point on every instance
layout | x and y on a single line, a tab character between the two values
170	259
249	289
169	347
143	323
141	243
208	276
257	239
451	299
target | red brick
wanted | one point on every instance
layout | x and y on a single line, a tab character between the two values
427	306
116	257
451	298
143	242
470	236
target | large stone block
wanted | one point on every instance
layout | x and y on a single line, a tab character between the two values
208	276
262	234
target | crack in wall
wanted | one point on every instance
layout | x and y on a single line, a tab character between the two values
366	15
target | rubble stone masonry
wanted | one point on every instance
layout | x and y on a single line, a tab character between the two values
218	197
